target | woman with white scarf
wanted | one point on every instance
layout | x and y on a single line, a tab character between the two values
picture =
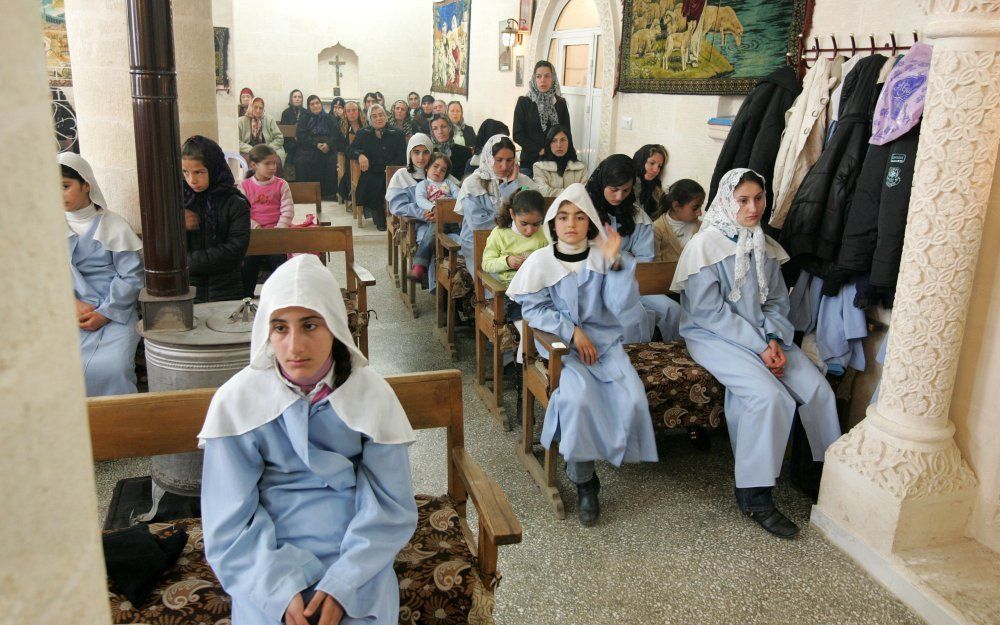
106	263
735	323
534	113
307	494
483	191
577	289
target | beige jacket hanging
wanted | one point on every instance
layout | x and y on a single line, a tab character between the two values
805	130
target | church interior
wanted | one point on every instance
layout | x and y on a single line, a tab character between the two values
873	129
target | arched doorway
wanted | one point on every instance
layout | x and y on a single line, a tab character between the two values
338	59
576	48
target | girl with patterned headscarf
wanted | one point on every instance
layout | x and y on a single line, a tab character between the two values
735	323
534	113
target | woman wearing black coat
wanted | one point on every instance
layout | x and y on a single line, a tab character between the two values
316	158
375	147
536	112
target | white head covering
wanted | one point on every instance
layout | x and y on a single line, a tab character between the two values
256	395
113	232
403	178
483	180
542	269
714	242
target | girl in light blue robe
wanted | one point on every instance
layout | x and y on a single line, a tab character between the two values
611	190
306	489
577	291
496	178
735	322
106	265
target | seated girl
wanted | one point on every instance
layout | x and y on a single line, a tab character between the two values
106	263
558	166
612	190
217	219
577	289
401	192
677	219
438	185
517	234
482	192
735	323
306	488
271	206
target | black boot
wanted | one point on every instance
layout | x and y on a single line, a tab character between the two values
758	504
587	506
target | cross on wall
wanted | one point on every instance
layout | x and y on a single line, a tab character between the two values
337	64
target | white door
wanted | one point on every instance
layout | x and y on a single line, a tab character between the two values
576	61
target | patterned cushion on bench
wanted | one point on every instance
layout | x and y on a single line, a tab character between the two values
439	580
680	391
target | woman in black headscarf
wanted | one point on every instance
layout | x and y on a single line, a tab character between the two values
536	112
217	220
290	117
611	189
487	129
558	167
650	163
316	159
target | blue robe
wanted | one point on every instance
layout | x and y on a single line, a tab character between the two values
110	281
305	503
479	212
652	311
840	327
599	412
727	338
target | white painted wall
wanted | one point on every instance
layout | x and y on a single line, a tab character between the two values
226	104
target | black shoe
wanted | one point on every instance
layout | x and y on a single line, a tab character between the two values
587	506
700	437
775	522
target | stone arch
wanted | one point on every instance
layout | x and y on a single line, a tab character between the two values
350	80
546	15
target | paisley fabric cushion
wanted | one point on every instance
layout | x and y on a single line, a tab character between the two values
439	579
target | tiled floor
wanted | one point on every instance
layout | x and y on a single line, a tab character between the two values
670	546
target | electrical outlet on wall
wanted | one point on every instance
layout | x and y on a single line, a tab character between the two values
627	123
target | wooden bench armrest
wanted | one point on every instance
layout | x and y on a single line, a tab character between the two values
552	344
491	282
496	516
364	276
448	243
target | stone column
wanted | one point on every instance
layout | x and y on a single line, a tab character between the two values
51	564
98	41
898	480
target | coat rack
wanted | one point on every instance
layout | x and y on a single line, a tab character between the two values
809	54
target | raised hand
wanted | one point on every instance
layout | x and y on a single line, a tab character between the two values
612	245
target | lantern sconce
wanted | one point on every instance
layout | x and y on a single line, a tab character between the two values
510	35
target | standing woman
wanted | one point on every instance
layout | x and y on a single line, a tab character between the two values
482	192
369	99
350	124
337	110
464	134
217	220
401	119
612	190
246	96
650	168
735	324
106	263
290	117
538	111
443	135
376	146
558	167
257	127
316	159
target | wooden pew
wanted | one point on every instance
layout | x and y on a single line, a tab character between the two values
287	130
392	226
149	424
541	379
446	255
308	193
356	209
322	240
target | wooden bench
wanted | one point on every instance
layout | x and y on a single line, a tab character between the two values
392	224
356	209
447	253
287	130
151	424
541	379
308	193
323	240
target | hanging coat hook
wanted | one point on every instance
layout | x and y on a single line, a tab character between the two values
834	49
915	40
854	45
892	42
816	45
871	42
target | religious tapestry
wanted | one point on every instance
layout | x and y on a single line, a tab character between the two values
221	59
450	65
56	46
706	46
